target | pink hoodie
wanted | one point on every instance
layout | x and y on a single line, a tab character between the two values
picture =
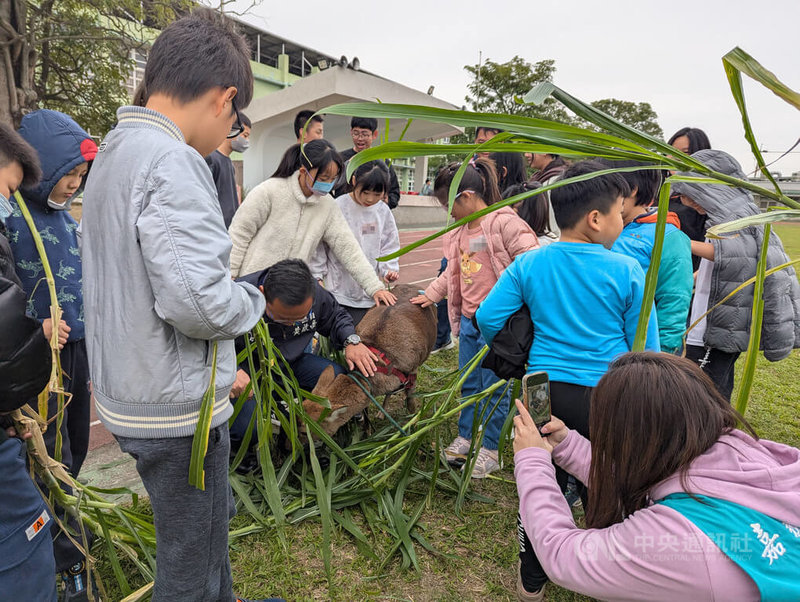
656	553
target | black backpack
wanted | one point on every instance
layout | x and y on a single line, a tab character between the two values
508	353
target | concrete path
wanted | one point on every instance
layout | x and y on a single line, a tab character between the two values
107	466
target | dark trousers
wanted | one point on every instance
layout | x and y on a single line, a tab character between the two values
27	569
74	441
307	370
719	365
443	324
571	404
357	313
191	525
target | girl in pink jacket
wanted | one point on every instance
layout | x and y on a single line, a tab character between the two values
661	430
477	253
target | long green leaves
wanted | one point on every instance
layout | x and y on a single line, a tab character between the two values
757	316
197	473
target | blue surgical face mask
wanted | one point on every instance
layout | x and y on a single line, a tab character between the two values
5	208
322	188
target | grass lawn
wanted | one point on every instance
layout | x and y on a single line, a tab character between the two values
476	553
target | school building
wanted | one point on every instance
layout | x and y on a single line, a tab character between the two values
290	77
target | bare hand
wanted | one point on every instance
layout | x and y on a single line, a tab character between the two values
525	432
240	384
387	297
359	356
63	331
422	300
555	430
391	276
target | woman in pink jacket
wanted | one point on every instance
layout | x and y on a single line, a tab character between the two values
661	430
477	253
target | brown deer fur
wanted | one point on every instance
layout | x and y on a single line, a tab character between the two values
405	333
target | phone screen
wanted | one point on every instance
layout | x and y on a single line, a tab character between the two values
537	391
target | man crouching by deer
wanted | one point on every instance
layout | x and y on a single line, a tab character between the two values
386	349
297	306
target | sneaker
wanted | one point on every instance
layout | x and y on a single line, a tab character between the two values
456	452
486	462
444	346
524	595
260	600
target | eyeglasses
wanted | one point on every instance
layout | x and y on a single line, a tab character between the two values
237	128
360	134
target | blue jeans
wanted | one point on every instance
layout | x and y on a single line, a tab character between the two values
470	342
307	369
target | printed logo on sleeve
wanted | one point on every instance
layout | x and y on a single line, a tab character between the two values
37	525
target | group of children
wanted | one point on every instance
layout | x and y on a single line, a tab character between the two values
151	290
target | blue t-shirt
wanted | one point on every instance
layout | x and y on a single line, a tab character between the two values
584	302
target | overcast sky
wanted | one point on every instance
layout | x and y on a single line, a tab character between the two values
667	54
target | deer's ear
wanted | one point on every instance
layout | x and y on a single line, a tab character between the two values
325	381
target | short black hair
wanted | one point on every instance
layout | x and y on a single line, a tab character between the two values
245	120
197	53
289	280
14	148
316	154
574	201
367	123
302	118
646	182
372	176
486	128
697	139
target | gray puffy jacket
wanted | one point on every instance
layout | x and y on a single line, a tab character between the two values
735	260
156	282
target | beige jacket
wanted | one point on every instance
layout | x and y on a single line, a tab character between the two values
277	221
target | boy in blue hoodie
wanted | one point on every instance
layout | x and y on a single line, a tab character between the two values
675	276
584	302
65	152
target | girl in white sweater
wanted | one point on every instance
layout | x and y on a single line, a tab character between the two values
373	225
291	213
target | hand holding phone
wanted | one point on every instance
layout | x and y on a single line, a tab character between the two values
536	394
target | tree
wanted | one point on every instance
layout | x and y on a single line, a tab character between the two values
74	55
495	85
639	115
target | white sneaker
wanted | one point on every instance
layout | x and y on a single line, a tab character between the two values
456	452
449	345
486	462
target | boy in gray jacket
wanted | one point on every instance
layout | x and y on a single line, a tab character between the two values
158	293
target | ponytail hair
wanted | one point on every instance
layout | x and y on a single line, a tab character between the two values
372	176
480	177
317	154
535	210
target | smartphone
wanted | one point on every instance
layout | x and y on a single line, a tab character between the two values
536	393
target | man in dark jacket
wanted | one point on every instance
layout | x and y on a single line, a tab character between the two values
27	565
297	306
364	131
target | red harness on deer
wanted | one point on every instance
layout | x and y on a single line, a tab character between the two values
407	381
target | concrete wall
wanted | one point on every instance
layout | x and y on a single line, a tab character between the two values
419	212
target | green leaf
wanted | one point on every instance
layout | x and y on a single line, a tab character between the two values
651	280
323	501
770	217
197	474
757	315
